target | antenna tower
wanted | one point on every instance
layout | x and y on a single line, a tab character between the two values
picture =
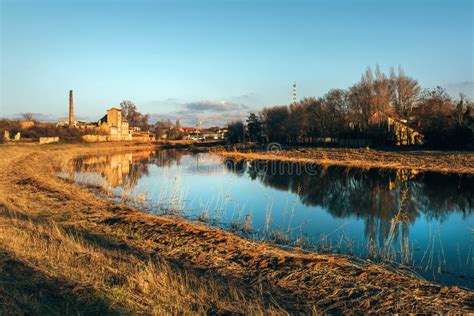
293	92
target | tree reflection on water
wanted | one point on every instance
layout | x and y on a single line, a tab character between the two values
387	203
373	195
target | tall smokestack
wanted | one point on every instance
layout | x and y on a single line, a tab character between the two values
71	109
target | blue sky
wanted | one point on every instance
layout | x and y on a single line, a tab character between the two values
220	59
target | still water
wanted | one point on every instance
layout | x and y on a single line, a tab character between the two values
422	220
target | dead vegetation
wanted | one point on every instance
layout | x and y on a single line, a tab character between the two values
445	162
85	276
119	259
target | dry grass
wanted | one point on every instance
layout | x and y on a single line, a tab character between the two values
445	162
122	259
97	279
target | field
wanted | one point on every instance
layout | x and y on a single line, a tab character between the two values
445	162
62	248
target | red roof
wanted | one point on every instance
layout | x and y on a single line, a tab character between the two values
188	129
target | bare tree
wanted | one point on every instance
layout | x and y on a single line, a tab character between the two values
134	118
362	111
163	129
336	107
381	92
297	122
404	91
236	131
254	127
275	122
27	117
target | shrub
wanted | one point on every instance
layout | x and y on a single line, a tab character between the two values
70	135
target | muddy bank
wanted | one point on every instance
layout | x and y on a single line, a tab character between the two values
297	281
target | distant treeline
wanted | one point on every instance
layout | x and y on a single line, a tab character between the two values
361	112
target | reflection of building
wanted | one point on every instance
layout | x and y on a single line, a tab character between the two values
118	170
114	168
115	125
401	176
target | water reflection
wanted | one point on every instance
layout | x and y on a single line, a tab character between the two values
373	195
120	170
423	219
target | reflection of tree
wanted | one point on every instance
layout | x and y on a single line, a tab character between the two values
239	167
440	194
372	195
167	158
137	170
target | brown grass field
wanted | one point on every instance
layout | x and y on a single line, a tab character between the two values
445	162
65	250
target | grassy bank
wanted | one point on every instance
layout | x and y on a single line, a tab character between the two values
92	255
445	162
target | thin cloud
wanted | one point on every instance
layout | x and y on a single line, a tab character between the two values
466	87
211	112
214	106
189	119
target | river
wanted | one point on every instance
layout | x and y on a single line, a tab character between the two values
422	220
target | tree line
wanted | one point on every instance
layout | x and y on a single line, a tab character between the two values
361	112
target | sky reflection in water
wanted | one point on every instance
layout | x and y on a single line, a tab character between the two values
422	219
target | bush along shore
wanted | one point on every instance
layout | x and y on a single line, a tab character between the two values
100	256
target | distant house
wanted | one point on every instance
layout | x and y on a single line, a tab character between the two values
385	128
190	133
215	133
211	133
115	125
400	131
403	134
140	136
26	124
11	136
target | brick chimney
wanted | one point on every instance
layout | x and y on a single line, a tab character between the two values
71	109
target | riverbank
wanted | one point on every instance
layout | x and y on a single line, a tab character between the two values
104	256
436	161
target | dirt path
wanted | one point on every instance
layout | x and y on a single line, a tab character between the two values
262	277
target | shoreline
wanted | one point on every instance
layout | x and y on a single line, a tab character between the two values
299	281
442	162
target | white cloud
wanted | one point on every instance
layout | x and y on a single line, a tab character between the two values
214	106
